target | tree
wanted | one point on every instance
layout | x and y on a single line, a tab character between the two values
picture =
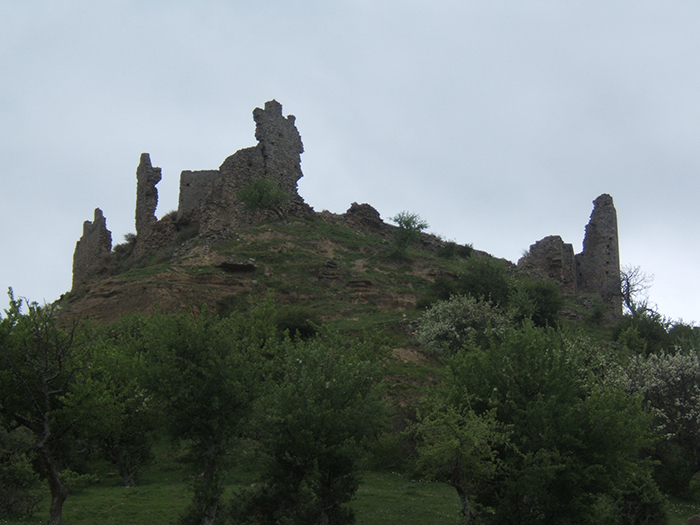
40	367
458	447
207	372
410	225
575	439
449	325
315	428
20	487
265	194
670	384
634	285
127	417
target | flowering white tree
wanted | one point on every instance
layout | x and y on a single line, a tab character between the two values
670	384
451	324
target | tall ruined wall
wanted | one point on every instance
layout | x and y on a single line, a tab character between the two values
147	177
92	250
598	265
195	187
596	270
551	258
210	198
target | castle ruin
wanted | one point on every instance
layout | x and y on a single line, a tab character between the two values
92	250
209	204
594	271
209	199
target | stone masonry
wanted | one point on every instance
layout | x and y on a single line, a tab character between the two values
146	194
598	265
92	250
552	258
595	271
210	198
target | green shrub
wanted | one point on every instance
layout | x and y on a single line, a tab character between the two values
451	249
20	485
449	325
299	321
539	301
644	333
265	194
410	225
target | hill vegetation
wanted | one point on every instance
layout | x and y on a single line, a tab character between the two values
307	370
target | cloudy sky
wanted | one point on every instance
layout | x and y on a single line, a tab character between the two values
498	122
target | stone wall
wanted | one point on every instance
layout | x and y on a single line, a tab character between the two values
92	250
551	258
195	187
598	265
146	194
595	271
210	198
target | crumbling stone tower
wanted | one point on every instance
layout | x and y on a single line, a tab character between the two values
92	250
598	265
210	198
146	194
595	271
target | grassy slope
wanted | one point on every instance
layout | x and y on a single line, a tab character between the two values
348	279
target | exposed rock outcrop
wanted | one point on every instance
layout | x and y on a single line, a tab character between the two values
364	217
92	250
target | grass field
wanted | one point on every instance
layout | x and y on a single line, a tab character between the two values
383	499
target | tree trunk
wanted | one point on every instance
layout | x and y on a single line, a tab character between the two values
465	503
58	492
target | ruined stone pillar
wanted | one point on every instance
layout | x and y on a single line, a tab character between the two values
146	194
598	265
92	250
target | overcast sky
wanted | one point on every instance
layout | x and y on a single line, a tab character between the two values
498	122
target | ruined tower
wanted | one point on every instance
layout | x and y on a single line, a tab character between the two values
595	271
146	194
598	265
92	250
210	198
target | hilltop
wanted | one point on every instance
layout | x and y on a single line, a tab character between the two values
243	230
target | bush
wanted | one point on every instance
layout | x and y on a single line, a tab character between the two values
316	425
645	333
577	442
299	321
410	225
452	249
265	194
451	324
486	278
20	486
670	384
539	301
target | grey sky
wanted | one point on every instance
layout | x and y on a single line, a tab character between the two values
497	122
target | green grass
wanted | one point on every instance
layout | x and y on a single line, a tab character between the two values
383	498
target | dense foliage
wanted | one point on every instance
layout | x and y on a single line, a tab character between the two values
526	418
575	442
